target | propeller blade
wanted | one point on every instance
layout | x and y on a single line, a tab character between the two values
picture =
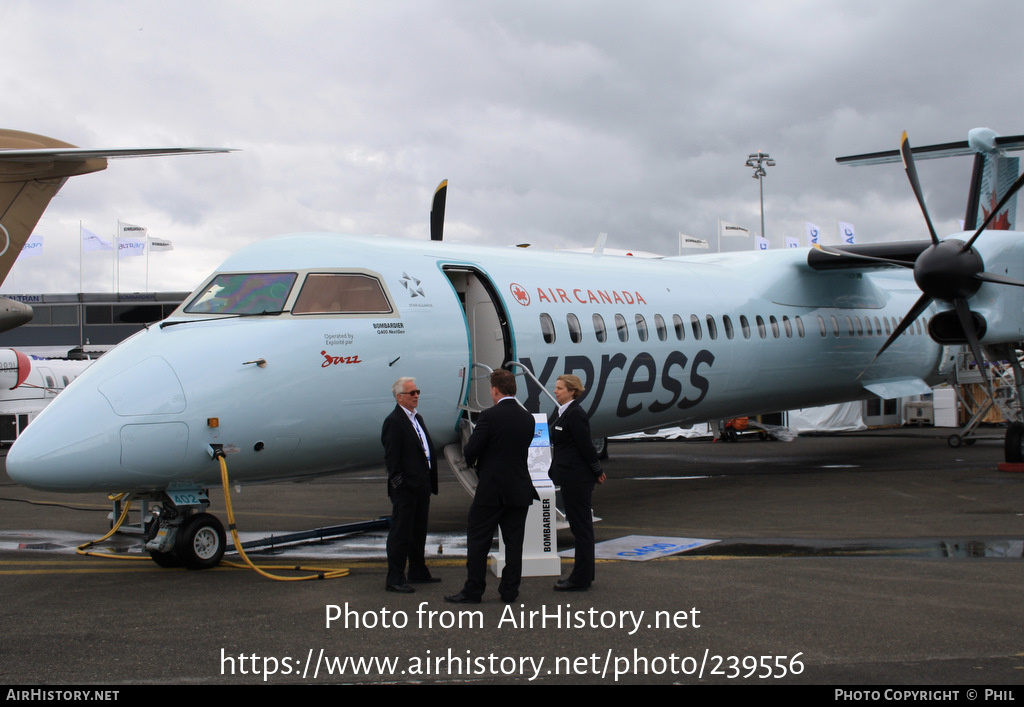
999	207
915	183
998	279
914	313
437	211
963	313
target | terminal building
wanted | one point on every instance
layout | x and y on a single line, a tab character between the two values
88	319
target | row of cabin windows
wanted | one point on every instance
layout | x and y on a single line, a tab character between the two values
786	326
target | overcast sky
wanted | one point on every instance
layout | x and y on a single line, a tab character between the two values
553	120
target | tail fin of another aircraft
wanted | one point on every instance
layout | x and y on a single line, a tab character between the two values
993	174
33	168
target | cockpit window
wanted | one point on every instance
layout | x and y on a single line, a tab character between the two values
341	293
248	293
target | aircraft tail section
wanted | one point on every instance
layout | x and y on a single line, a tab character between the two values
28	180
993	175
994	172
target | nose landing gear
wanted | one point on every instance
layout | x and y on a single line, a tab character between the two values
188	536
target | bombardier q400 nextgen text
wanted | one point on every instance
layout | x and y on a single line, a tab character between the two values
284	358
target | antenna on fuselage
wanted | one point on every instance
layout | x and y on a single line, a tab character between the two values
437	211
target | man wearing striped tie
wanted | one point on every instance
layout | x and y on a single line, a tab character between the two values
412	476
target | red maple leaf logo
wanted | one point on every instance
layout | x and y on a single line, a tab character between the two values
999	223
520	293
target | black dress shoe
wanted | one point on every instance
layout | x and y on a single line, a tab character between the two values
510	598
403	588
461	598
426	580
564	585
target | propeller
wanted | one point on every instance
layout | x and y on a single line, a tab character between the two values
950	271
437	211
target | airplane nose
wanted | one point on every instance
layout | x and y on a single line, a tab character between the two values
13	314
113	430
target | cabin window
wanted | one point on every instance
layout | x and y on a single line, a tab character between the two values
575	331
659	326
760	327
620	327
547	328
867	326
677	324
727	323
599	329
50	383
835	325
745	326
821	326
712	327
918	325
799	326
788	326
641	327
695	325
775	326
247	293
341	293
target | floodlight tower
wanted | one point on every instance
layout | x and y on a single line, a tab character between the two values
759	161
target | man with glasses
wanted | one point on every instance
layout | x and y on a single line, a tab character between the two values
412	476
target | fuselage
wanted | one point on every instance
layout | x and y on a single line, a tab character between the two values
302	390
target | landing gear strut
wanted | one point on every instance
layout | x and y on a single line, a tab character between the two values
188	536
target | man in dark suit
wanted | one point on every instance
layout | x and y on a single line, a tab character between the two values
412	476
498	448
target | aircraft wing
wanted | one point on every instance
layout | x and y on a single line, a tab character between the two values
930	152
75	154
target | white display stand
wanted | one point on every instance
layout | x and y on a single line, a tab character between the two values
540	544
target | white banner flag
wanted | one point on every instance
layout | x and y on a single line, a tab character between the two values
130	230
686	241
33	246
129	247
760	243
813	233
90	241
731	229
159	245
846	234
792	242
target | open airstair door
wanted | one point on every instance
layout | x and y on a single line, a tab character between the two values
490	346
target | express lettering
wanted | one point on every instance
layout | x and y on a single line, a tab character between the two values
337	360
641	380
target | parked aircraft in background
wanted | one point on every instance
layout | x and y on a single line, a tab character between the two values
27	384
283	359
33	168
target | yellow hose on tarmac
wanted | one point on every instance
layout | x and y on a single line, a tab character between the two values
83	549
320	572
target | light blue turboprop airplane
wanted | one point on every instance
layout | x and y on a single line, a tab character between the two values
285	357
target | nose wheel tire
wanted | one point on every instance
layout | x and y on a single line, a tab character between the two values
200	542
165	559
